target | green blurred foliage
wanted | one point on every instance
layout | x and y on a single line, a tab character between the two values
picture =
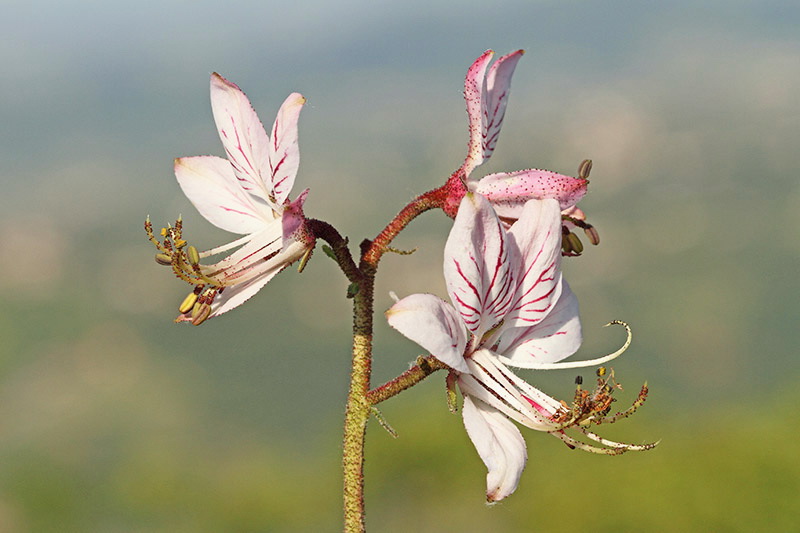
715	470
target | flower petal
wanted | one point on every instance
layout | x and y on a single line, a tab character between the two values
284	154
243	136
478	263
495	100
508	191
474	87
253	265
537	236
556	337
236	295
487	96
295	224
211	185
434	325
500	445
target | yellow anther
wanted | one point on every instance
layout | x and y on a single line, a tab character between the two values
601	371
203	311
575	242
194	257
188	303
163	232
163	259
566	246
304	260
180	243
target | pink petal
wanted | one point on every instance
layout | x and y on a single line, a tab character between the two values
284	154
500	445
434	325
508	191
537	236
478	263
487	97
498	88
210	184
243	137
556	337
474	87
295	225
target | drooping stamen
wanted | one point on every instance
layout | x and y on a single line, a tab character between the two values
584	169
574	443
591	362
613	444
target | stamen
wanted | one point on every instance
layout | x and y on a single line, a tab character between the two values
450	384
575	243
591	232
612	444
192	256
202	313
189	301
573	443
591	362
163	259
584	169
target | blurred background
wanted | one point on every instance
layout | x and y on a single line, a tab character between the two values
112	418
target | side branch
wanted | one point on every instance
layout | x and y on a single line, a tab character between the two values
430	200
425	367
329	234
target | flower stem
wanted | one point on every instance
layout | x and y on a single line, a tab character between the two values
425	367
358	409
358	403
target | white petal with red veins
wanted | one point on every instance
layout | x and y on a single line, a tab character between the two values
495	99
284	154
434	325
243	136
478	266
537	236
499	444
210	184
555	338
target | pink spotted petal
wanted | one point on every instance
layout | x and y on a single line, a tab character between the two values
474	87
499	444
284	154
486	95
478	266
243	136
508	191
537	236
498	88
555	338
434	325
295	225
211	185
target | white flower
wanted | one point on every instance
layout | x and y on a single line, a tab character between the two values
248	194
